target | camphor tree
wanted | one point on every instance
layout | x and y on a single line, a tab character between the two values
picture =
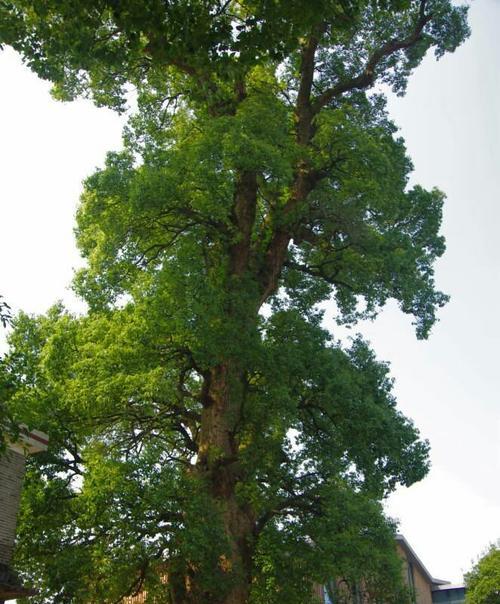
483	581
210	440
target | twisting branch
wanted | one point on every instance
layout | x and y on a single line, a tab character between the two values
368	75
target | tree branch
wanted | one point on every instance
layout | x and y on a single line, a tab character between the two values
243	219
295	502
368	75
317	271
305	177
303	106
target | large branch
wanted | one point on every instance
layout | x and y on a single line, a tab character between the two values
304	179
243	219
303	106
366	78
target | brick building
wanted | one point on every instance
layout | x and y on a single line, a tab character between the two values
424	588
12	464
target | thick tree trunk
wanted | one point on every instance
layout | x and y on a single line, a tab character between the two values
219	464
218	443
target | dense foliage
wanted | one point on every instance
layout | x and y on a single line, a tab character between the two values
210	440
483	581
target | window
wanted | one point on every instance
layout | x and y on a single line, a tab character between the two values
329	593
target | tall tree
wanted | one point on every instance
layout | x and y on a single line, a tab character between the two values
204	425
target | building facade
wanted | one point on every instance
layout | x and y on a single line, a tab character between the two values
12	464
423	587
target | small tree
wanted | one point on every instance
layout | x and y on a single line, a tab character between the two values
483	581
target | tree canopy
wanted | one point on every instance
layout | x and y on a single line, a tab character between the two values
483	581
210	440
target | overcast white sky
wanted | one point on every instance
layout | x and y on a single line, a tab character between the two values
450	384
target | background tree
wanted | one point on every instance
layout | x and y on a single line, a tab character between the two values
204	425
483	581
